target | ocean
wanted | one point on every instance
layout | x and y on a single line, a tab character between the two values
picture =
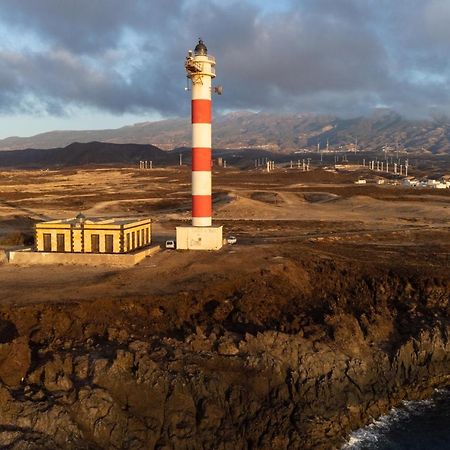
415	425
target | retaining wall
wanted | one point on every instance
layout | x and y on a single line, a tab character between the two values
29	257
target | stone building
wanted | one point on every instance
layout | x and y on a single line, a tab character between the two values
82	235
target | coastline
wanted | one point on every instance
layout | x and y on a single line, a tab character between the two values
422	423
298	352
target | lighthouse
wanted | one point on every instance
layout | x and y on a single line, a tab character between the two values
202	235
200	69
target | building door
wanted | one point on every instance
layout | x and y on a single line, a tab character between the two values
95	243
60	243
109	243
47	242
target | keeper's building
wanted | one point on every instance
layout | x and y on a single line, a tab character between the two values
82	235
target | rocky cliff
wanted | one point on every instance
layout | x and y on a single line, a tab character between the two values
291	356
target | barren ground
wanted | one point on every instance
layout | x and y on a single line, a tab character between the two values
269	213
332	308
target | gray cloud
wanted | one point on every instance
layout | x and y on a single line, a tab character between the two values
89	26
343	57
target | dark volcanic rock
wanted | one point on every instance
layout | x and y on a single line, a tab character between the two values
278	361
15	358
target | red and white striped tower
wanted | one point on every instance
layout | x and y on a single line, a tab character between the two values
200	68
201	235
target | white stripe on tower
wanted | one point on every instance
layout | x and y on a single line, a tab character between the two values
201	135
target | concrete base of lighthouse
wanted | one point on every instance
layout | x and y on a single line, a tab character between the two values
200	238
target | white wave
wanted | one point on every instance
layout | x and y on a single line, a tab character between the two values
370	435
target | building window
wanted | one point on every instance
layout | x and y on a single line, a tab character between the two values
133	240
95	243
138	236
60	243
147	236
143	237
128	242
109	243
47	242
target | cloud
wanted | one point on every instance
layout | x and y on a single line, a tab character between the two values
89	26
343	57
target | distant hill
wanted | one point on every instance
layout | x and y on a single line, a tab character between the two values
81	154
273	132
166	134
105	153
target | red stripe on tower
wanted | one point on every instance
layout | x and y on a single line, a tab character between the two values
201	159
201	206
201	111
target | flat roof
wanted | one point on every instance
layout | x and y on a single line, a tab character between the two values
99	221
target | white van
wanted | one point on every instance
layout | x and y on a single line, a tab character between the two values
170	244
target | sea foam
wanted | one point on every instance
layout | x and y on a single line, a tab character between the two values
386	431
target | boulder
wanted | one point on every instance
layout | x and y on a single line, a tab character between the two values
15	358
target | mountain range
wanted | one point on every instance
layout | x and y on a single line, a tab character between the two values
282	133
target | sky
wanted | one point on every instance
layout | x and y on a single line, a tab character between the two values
91	64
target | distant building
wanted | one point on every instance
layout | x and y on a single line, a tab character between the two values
426	183
82	235
411	182
361	181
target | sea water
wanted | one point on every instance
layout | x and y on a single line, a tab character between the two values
414	425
